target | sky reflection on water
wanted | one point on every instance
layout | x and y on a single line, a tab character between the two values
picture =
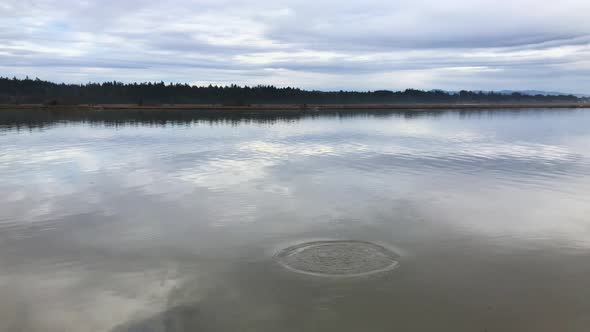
135	226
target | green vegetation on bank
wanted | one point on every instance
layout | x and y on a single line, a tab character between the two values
35	91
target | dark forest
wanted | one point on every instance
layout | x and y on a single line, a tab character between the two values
36	91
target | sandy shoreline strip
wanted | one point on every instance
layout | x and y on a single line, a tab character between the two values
287	107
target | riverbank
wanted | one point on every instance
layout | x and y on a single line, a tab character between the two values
288	107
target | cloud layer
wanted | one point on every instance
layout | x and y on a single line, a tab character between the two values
455	44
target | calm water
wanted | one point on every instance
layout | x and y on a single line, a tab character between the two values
172	225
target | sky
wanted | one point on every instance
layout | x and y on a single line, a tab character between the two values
325	45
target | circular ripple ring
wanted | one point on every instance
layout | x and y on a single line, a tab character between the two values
338	258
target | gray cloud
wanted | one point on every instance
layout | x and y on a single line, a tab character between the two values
480	44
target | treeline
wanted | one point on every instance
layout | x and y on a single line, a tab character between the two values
36	91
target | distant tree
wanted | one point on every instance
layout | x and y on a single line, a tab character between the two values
38	91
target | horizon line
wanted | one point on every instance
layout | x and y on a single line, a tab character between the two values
171	83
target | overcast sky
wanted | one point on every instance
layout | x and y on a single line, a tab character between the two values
360	45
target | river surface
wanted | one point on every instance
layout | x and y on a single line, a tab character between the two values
163	224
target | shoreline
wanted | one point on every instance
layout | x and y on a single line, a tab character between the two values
312	108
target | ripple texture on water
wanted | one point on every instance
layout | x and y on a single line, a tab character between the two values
338	258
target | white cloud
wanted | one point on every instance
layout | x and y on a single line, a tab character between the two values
331	44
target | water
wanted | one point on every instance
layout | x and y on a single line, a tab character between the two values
126	222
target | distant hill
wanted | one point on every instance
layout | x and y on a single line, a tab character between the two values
540	92
531	93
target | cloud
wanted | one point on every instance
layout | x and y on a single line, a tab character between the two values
328	45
